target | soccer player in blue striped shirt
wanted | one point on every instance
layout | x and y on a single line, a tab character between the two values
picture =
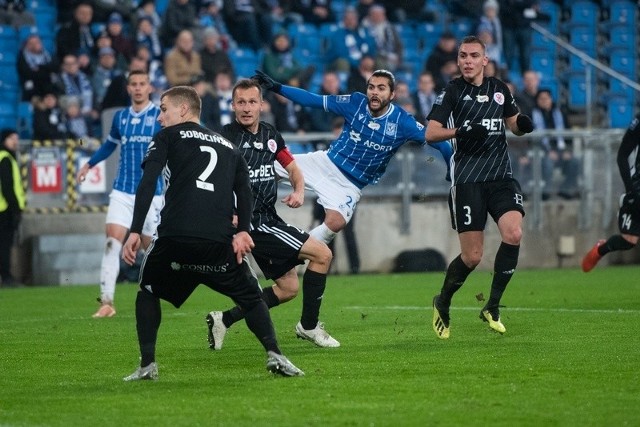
133	129
374	130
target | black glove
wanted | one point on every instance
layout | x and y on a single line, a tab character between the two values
524	123
472	131
266	82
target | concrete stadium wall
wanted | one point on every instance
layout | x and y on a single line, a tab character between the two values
377	231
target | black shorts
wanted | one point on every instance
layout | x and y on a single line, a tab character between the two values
628	219
470	202
174	267
277	248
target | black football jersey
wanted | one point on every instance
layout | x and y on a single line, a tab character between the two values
461	103
203	173
259	150
629	158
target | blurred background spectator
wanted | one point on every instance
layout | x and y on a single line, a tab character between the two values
389	49
349	43
36	68
182	63
281	64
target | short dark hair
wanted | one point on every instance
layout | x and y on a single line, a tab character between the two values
246	84
385	73
473	39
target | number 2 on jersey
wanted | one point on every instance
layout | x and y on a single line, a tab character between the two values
201	182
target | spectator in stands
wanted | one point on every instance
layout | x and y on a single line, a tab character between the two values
445	51
526	98
424	97
103	40
48	118
120	42
249	22
448	71
320	120
492	69
76	124
104	9
349	43
117	95
180	15
558	150
103	75
36	68
147	8
316	12
389	48
15	14
183	62
492	50
223	87
72	81
280	62
408	10
76	34
210	112
147	35
211	17
155	70
214	58
359	76
490	22
289	116
516	17
12	202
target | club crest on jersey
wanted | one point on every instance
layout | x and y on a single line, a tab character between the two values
342	98
135	120
390	129
272	146
149	121
482	98
258	145
499	98
373	125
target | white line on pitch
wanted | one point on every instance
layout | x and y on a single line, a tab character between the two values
561	310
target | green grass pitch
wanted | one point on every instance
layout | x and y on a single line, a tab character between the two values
570	357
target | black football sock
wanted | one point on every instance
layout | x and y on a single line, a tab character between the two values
457	273
504	267
313	285
235	314
615	243
259	322
148	317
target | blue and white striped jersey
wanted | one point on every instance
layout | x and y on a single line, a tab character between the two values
133	131
366	145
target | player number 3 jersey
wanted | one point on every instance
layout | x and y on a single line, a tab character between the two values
461	103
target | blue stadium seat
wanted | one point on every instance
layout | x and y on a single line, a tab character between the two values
540	42
585	12
8	40
428	34
576	64
462	27
577	91
620	112
553	11
305	36
245	61
623	60
551	83
623	12
543	62
25	120
584	38
621	36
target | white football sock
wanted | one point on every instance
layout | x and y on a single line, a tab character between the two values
323	233
110	269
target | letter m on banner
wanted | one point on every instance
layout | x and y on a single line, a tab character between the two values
46	170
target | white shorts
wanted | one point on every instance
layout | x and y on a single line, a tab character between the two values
323	177
121	211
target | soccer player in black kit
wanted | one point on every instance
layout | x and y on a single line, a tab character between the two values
628	160
472	111
197	241
279	247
